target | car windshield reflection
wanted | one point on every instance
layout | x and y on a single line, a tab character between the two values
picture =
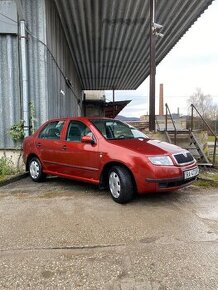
114	129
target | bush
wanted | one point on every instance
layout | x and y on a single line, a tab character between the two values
17	132
6	166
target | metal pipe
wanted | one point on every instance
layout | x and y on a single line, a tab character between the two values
84	105
208	127
20	9
192	117
113	104
24	80
214	151
173	122
152	68
166	116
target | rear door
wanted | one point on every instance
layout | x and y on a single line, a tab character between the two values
49	146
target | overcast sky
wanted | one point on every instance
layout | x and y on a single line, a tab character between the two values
191	64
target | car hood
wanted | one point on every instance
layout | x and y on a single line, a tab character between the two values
147	146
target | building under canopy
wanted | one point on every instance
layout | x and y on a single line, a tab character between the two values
67	46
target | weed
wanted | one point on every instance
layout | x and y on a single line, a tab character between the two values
17	132
6	166
206	183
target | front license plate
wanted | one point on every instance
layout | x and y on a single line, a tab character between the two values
191	173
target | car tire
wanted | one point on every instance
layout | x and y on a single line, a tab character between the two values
120	184
35	170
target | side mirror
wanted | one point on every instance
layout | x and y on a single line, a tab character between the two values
88	139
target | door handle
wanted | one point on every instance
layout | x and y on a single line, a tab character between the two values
38	145
64	147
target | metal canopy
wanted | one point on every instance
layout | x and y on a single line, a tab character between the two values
109	39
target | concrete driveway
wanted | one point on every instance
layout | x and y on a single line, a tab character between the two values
60	234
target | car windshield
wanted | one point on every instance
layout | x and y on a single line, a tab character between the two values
114	129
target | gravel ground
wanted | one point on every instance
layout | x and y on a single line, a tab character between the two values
61	234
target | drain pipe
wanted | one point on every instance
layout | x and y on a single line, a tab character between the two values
152	68
24	80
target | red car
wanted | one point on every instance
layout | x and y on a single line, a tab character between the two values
109	153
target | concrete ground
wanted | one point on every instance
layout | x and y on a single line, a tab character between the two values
60	234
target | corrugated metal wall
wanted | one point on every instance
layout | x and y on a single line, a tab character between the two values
34	12
49	62
47	88
10	105
62	99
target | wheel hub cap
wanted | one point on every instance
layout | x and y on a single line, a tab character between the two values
34	169
114	184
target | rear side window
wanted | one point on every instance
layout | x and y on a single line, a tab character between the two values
52	130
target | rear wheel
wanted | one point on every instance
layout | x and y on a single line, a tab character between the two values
120	184
35	169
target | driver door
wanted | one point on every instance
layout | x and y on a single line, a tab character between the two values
81	160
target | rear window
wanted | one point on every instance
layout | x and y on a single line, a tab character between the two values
52	130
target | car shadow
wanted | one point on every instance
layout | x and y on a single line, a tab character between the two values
69	184
91	189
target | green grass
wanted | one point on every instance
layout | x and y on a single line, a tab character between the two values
211	138
207	178
209	175
2	178
206	183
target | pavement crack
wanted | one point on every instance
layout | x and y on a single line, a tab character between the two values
85	247
90	247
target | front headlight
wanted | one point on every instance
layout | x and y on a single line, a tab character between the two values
161	160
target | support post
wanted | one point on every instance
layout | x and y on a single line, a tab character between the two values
152	69
24	81
166	117
113	104
192	117
84	105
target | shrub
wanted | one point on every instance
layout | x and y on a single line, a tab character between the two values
17	131
6	166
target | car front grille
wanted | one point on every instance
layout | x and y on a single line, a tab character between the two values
182	158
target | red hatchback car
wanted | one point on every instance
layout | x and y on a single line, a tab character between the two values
109	153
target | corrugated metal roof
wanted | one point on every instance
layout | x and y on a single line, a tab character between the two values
109	39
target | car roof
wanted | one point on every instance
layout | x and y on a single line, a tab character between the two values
77	118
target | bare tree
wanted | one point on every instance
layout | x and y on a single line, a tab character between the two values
204	104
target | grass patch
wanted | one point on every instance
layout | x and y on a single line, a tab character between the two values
206	183
2	178
207	178
211	138
209	175
6	166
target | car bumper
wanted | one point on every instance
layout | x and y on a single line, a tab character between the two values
178	179
171	183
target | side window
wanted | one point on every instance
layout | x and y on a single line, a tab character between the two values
76	131
52	130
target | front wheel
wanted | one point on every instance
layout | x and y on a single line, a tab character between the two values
35	169
120	184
